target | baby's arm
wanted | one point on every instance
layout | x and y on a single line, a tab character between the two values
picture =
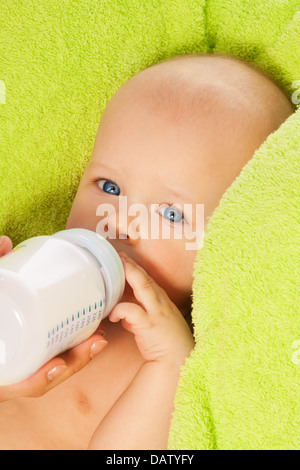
140	419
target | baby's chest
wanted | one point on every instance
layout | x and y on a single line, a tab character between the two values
67	417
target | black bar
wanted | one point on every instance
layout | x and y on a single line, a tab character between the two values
141	459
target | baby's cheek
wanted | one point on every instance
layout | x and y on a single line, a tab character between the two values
177	283
76	220
82	215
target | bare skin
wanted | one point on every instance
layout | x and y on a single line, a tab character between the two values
155	149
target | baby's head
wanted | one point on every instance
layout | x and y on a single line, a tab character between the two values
177	133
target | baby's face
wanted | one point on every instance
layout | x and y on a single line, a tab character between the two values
162	160
152	162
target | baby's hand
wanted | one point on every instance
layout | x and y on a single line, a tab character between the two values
161	332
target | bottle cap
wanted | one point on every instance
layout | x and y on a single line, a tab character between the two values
107	258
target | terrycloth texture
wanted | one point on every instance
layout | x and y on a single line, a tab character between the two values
60	61
240	389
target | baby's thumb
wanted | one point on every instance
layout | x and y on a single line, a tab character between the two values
132	316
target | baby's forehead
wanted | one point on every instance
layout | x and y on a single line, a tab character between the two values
179	76
191	82
188	86
224	97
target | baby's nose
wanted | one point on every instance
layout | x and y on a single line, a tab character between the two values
126	229
118	226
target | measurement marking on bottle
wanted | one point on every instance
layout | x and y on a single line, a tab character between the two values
75	322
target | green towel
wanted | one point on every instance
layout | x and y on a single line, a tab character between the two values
240	389
60	62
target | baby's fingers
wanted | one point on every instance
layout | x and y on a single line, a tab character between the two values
133	317
145	289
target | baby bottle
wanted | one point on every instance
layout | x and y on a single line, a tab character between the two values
54	292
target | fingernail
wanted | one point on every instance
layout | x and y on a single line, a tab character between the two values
97	347
56	372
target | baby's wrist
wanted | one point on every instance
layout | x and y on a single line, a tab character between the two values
176	358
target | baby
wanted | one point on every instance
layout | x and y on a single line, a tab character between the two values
177	133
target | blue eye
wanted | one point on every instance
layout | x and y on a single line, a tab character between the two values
172	214
109	187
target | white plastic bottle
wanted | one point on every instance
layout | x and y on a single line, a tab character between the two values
54	292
